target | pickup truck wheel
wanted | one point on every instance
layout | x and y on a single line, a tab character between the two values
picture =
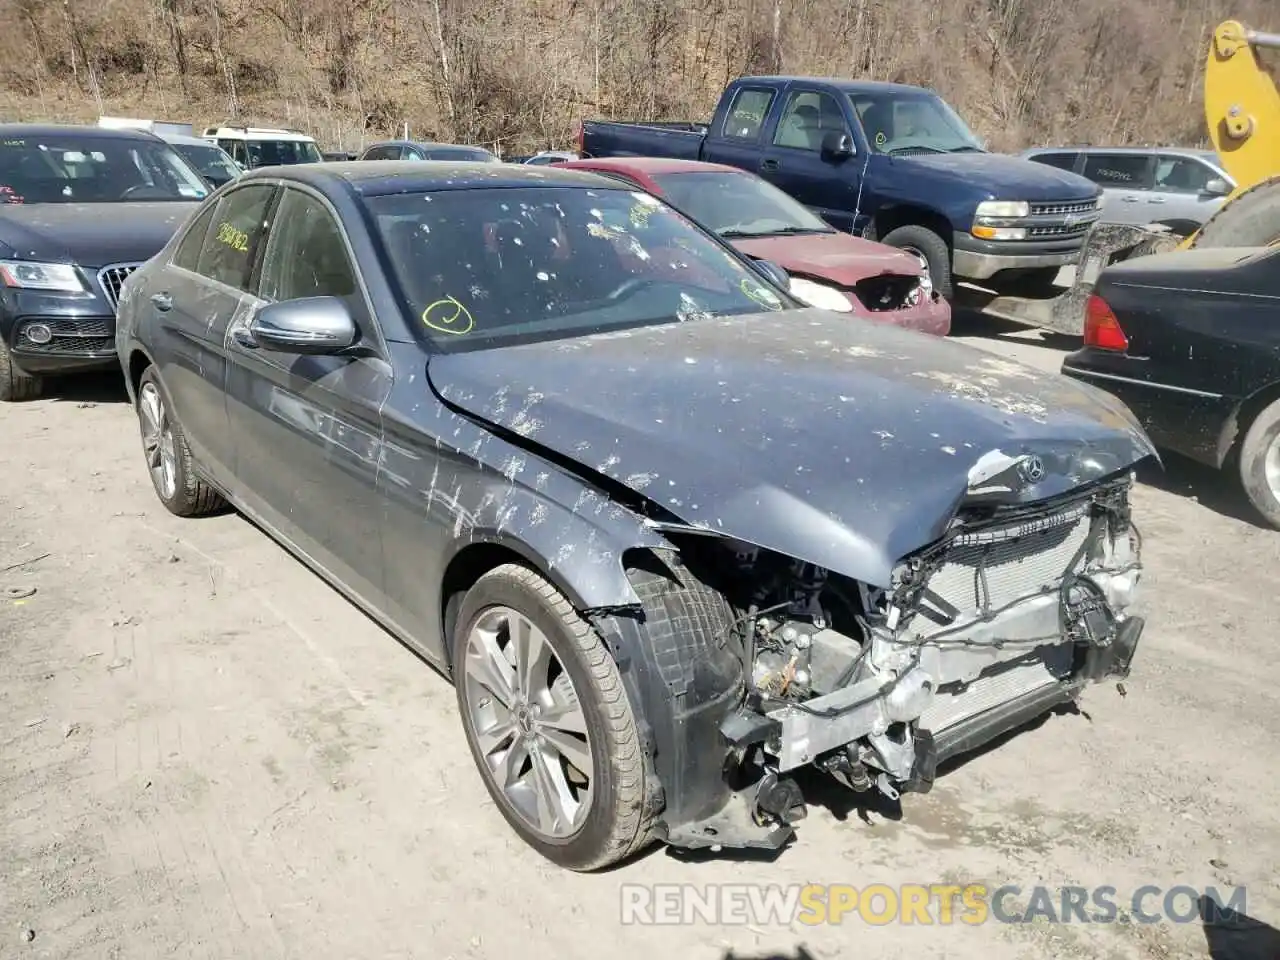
548	722
1260	463
926	244
14	384
169	461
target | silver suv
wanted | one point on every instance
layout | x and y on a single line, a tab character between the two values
1178	187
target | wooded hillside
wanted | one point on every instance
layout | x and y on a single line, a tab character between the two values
519	73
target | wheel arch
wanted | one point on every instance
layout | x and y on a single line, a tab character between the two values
135	366
489	550
890	217
1238	422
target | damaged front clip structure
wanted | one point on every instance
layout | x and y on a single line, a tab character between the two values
1006	619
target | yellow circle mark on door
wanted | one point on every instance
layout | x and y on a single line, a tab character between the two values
448	316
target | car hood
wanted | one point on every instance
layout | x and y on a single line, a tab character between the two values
843	442
838	257
1005	177
90	234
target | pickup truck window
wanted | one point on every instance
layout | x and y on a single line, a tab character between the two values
747	112
913	123
808	116
487	267
738	205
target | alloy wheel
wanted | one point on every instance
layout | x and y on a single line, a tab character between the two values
1271	468
157	441
524	713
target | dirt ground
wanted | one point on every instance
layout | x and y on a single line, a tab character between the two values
206	752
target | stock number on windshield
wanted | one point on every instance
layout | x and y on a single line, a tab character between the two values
233	238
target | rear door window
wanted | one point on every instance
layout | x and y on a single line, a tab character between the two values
747	112
233	236
187	256
1125	171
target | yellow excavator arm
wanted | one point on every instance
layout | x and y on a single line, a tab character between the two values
1242	104
1242	111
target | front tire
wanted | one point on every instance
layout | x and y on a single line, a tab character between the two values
15	385
169	462
1260	463
548	722
928	246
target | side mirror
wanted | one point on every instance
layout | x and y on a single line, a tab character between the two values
311	326
837	146
1217	187
774	273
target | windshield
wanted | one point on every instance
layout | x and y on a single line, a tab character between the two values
907	123
488	267
210	162
80	169
274	153
737	205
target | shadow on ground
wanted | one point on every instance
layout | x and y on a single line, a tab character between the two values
89	388
1232	935
970	323
1216	490
800	954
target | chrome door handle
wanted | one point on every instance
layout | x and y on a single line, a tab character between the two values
162	302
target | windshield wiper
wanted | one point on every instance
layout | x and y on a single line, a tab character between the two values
966	149
777	232
897	150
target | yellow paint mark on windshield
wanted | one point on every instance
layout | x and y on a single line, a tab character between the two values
448	316
237	240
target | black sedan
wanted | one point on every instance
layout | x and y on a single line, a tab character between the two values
80	209
673	535
1190	341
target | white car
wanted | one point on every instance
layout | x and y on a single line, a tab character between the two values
264	146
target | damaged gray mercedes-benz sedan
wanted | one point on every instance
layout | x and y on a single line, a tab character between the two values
674	536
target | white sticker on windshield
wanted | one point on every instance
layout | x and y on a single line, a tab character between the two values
645	198
191	192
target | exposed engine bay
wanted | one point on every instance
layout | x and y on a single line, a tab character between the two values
1007	616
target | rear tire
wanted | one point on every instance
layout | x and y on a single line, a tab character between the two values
925	243
1250	220
169	462
615	823
14	384
1260	463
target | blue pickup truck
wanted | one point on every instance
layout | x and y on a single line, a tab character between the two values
890	162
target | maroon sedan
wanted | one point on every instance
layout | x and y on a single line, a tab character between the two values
829	269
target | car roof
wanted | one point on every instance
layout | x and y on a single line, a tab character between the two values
379	178
427	145
64	129
651	165
180	139
1148	151
845	86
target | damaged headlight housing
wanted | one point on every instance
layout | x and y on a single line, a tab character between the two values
820	295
